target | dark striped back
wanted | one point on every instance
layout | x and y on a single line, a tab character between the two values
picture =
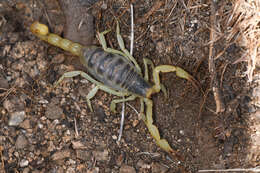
113	70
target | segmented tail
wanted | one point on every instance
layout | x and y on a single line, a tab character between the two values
42	31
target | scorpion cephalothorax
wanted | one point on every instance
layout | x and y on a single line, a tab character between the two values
117	73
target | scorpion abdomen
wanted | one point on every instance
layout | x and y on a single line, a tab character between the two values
114	71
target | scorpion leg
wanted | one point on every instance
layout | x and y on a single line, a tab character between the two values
122	47
162	143
146	63
125	52
102	41
142	114
114	102
146	77
76	73
92	93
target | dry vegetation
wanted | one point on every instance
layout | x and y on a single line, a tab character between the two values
244	28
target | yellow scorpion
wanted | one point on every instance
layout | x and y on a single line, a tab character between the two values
117	73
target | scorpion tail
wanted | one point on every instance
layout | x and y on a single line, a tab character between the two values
42	31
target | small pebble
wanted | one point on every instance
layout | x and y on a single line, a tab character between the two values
84	81
135	122
14	104
127	169
8	78
24	163
158	168
4	83
101	155
120	159
77	145
26	170
58	59
182	132
16	118
42	64
256	115
51	147
84	155
61	155
70	170
114	137
25	124
142	164
160	47
71	162
94	170
104	6
53	112
21	142
43	101
40	126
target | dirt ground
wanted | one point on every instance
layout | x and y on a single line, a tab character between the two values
46	129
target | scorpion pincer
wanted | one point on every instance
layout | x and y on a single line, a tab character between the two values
117	73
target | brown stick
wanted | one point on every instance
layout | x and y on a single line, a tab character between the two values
79	25
220	107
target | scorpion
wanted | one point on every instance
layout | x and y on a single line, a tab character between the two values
116	72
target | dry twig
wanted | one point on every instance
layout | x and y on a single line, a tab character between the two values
220	107
256	169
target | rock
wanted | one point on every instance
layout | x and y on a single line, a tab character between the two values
57	59
256	96
16	118
104	6
142	164
24	163
120	159
26	170
160	47
93	170
3	83
20	81
127	169
58	155
101	155
21	142
13	104
83	155
158	168
256	115
25	124
78	145
41	63
60	170
37	171
53	112
70	170
51	146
